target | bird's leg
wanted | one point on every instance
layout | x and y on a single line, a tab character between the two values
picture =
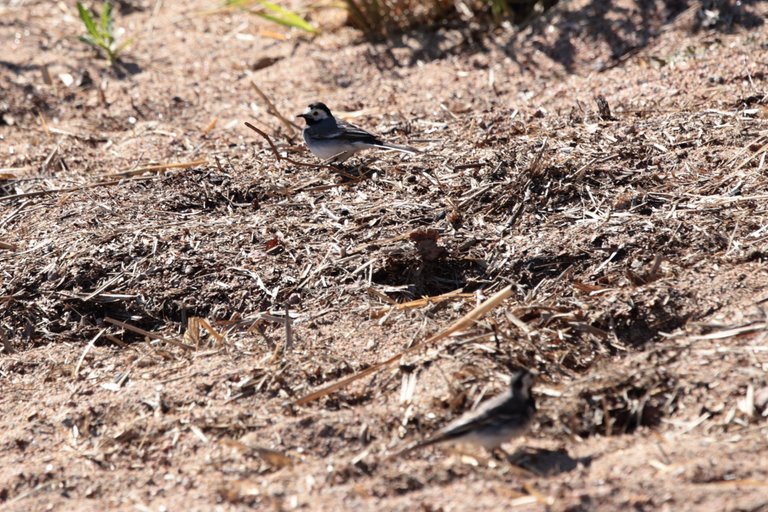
515	457
500	454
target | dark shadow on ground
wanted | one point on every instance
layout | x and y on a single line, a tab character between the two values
124	69
546	462
625	27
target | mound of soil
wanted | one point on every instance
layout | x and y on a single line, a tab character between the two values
172	291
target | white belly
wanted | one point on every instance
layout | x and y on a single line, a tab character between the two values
326	149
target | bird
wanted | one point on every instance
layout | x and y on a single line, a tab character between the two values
494	422
334	140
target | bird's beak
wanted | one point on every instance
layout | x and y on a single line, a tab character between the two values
305	114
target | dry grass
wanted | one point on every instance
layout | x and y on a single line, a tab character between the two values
242	327
380	18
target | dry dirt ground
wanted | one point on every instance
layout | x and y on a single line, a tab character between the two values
145	363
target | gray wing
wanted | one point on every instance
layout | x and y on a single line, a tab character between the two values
350	133
494	408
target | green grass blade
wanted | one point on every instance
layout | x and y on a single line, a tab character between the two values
90	25
239	3
106	21
285	17
89	41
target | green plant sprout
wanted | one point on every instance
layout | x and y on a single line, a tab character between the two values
273	13
101	36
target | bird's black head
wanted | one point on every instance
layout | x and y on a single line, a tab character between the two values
315	113
522	382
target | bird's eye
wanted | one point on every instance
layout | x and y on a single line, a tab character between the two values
315	113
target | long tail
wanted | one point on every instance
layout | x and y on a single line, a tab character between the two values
417	446
402	149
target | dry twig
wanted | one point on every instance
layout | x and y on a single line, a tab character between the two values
87	349
279	157
71	189
139	330
272	109
458	325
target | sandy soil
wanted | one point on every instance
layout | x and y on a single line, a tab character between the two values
144	362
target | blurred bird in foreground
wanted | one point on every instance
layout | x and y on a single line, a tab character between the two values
494	422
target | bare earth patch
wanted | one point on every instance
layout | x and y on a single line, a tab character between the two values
146	363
